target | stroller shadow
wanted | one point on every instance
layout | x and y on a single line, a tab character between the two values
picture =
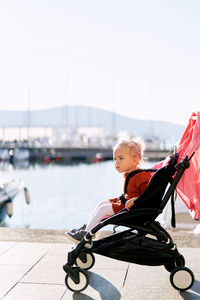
188	295
77	296
106	290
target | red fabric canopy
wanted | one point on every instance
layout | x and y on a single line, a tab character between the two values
188	187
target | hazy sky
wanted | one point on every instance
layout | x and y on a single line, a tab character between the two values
140	58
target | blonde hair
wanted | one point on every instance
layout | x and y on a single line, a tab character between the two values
135	145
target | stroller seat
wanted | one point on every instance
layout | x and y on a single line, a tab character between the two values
151	203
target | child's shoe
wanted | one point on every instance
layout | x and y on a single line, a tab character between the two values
76	236
81	228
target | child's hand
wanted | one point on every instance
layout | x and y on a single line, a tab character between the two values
130	203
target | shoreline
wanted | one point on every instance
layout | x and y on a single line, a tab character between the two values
183	217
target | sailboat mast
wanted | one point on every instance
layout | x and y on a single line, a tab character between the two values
28	122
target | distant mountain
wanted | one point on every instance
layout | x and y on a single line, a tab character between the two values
76	116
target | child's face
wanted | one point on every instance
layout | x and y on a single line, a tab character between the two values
124	160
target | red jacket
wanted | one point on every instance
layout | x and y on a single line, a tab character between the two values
136	186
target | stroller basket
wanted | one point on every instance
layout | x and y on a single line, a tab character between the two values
137	249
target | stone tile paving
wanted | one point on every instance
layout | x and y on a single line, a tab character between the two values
34	271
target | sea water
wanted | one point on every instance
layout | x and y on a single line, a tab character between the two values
62	196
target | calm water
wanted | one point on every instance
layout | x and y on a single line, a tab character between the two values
62	196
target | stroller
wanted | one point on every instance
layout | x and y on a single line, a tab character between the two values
144	241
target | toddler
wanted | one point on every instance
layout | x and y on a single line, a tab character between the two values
127	155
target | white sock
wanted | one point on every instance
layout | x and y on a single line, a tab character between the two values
103	210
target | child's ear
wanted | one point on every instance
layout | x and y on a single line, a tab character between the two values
135	160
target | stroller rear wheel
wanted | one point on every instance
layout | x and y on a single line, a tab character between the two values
171	266
85	260
182	278
79	286
180	262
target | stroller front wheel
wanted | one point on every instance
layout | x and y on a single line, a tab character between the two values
79	286
85	260
182	278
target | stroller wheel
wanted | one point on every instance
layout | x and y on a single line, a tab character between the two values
170	267
81	285
85	260
180	262
182	278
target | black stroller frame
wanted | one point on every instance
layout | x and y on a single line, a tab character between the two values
146	242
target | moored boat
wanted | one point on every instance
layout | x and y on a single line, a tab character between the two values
9	189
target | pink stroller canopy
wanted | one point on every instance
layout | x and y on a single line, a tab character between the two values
188	187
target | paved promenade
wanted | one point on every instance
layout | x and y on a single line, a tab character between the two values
31	268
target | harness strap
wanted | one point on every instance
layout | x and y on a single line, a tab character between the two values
131	174
173	217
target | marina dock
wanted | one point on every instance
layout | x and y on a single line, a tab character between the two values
66	154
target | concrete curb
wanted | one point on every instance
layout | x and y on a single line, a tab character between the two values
183	238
